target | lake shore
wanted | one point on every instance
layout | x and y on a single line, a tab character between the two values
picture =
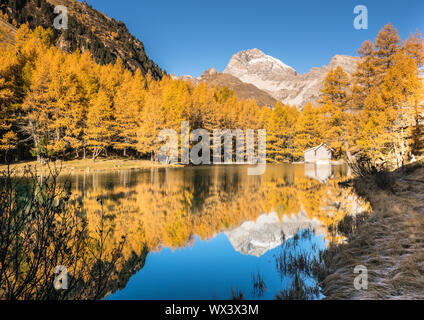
101	165
88	165
389	242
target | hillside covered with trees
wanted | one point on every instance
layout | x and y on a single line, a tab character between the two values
67	106
88	29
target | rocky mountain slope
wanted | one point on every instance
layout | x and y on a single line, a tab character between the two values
242	89
281	81
7	33
88	29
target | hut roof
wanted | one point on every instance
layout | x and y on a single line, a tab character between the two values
319	146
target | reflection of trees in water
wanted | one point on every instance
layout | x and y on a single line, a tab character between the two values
41	228
170	207
300	268
169	211
259	285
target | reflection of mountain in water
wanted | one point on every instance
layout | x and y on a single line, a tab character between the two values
268	232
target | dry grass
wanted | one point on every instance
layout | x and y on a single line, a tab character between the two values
259	285
390	242
75	166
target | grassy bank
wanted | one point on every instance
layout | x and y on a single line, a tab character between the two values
77	166
389	241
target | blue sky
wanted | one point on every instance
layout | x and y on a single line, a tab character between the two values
190	36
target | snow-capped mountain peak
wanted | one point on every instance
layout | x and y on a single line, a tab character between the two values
249	65
254	74
281	81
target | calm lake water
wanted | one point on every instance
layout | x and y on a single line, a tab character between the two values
214	232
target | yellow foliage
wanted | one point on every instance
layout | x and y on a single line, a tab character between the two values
69	105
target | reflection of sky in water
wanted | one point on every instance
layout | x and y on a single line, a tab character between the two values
167	207
209	269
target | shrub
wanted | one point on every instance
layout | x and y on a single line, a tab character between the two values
41	228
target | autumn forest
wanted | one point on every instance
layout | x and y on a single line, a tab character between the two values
90	210
57	105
